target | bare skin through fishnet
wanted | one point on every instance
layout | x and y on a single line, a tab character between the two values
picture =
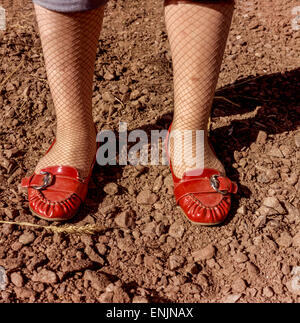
197	34
69	44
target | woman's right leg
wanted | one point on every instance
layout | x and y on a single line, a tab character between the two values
69	41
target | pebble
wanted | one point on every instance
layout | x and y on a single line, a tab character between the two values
93	256
285	269
242	210
296	240
134	95
293	284
108	97
3	279
261	137
271	206
106	297
297	139
176	231
140	299
252	269
108	76
239	285
45	276
158	183
232	298
204	254
240	257
149	228
111	188
123	88
261	221
146	197
275	152
285	240
98	281
124	219
268	292
17	279
26	238
176	261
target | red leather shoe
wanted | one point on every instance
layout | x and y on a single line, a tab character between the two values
56	193
203	195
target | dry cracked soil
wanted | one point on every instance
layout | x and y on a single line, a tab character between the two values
147	251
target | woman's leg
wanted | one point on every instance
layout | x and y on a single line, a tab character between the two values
197	32
69	42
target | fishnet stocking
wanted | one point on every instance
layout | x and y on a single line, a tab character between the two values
69	44
197	34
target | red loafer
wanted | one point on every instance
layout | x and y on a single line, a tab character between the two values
203	195
56	193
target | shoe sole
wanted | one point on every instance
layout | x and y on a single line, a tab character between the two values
200	223
49	219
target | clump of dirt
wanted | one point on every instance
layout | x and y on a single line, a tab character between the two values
149	252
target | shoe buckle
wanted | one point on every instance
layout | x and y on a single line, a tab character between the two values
215	184
47	180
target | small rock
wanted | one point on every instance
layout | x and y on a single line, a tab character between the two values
140	299
3	278
271	206
87	239
204	254
108	97
158	183
261	137
176	261
93	255
293	212
146	197
150	261
123	88
22	293
134	95
26	238
285	269
106	297
233	298
108	76
45	276
111	188
242	210
292	180
275	152
261	221
120	296
297	139
160	229
239	285
252	269
124	219
268	292
293	285
240	258
296	240
176	231
99	281
149	228
168	181
101	248
17	279
285	240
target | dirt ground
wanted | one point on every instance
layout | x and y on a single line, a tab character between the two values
149	252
